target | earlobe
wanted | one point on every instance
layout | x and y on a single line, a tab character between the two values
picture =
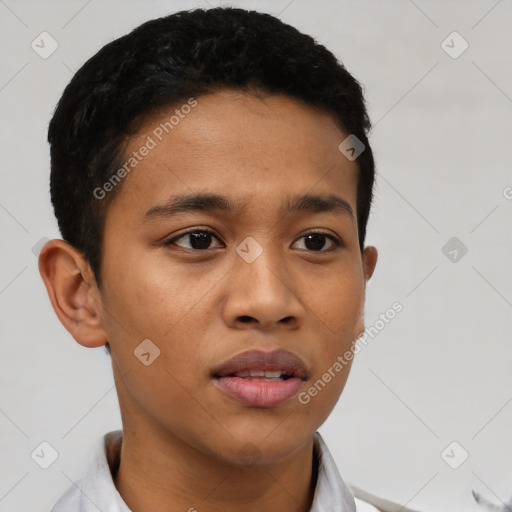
370	256
73	293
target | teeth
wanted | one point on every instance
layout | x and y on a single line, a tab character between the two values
273	375
276	374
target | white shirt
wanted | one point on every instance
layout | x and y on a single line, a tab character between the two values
96	490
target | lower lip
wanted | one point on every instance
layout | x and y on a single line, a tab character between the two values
259	393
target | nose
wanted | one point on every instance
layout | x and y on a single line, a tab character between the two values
261	295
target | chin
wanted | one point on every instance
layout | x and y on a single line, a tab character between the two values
260	446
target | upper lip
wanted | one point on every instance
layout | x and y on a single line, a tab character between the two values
280	359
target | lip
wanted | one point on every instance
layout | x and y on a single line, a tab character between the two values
261	393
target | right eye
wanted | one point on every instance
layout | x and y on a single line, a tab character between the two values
199	239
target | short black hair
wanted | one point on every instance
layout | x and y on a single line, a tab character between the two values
166	61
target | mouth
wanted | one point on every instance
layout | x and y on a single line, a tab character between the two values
264	375
261	379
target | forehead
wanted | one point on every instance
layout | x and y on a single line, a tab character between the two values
254	150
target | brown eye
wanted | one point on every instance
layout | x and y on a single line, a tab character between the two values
199	240
315	241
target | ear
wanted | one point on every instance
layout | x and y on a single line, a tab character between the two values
73	292
369	258
369	261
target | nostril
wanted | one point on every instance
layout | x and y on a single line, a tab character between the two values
245	318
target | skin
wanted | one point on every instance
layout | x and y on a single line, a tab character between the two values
183	438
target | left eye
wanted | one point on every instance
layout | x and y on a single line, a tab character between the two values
316	240
201	239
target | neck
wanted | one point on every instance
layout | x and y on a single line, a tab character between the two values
159	472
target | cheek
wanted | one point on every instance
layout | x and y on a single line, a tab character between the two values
337	304
149	299
160	307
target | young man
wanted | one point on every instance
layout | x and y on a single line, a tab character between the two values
212	180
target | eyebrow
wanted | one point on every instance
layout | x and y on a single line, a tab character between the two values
211	203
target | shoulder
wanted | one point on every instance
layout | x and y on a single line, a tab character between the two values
367	502
95	490
364	506
70	500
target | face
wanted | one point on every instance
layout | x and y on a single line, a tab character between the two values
206	285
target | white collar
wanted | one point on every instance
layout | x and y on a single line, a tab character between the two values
96	490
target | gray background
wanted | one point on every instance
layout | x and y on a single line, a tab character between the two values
439	372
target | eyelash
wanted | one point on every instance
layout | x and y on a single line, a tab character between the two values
337	242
